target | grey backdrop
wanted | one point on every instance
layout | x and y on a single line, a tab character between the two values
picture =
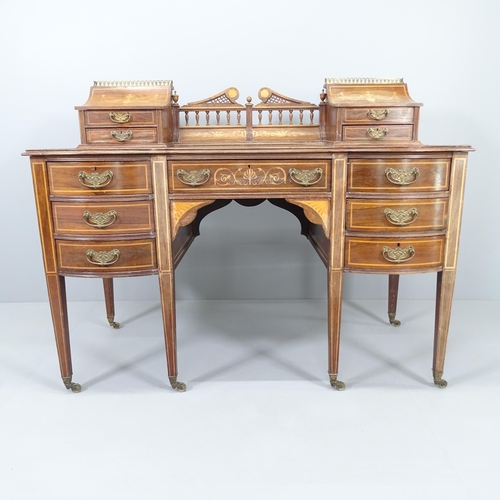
51	52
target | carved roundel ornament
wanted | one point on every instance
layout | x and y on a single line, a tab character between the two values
264	93
232	93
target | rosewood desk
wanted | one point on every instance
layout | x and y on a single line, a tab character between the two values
129	200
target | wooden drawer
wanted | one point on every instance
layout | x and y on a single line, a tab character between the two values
106	257
125	136
120	118
103	218
396	215
249	176
393	254
99	178
399	175
378	133
378	115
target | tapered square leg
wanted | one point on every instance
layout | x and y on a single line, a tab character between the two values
57	298
109	297
393	299
335	280
444	300
167	291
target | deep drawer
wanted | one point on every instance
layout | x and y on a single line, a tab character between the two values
399	175
378	133
249	176
378	115
393	254
397	216
106	257
103	218
99	178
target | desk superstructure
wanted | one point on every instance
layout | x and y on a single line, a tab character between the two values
129	200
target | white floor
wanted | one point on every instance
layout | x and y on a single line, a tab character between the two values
259	419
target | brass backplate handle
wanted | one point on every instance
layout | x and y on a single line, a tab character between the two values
398	254
306	177
95	180
402	177
377	133
120	117
121	136
401	217
99	219
103	258
377	114
193	177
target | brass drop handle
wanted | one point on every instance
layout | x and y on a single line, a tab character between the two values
193	177
377	114
121	136
401	217
306	177
103	258
377	133
95	180
402	177
398	254
99	219
120	117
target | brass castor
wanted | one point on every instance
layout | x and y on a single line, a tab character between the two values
178	386
439	381
393	321
73	386
337	384
113	323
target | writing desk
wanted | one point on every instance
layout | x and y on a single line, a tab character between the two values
129	200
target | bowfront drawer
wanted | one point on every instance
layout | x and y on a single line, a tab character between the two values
103	218
378	133
99	178
125	136
378	115
394	254
249	176
396	215
119	118
106	257
400	175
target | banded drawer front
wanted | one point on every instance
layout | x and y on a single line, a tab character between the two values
106	257
378	115
103	218
98	178
394	254
396	215
378	133
119	118
400	175
123	136
249	176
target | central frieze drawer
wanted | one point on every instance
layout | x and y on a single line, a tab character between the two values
398	175
89	218
99	178
249	176
393	254
106	257
391	215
